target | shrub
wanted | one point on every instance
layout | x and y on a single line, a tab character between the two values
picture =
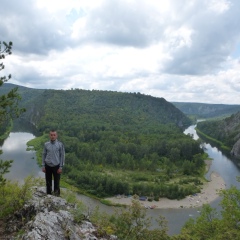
13	195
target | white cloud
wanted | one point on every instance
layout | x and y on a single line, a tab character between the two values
219	6
179	50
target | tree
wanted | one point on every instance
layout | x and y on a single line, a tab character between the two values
4	168
212	225
8	102
132	223
8	106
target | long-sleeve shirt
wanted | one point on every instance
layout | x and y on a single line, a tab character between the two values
53	154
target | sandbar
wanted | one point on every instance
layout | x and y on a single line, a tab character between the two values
210	192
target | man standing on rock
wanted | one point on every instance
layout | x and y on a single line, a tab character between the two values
53	159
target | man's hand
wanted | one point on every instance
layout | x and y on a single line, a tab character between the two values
44	169
59	171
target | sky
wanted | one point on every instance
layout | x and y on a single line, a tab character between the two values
181	50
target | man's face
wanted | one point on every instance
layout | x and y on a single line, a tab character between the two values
53	136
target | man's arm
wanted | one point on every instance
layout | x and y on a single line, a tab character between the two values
62	156
44	153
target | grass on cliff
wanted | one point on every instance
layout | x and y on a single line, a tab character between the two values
13	195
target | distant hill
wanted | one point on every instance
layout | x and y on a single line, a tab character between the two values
98	106
204	110
110	106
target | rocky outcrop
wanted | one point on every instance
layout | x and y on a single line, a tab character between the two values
236	149
49	217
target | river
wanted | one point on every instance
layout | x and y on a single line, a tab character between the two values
25	164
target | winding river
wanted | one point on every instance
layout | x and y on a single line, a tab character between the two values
15	148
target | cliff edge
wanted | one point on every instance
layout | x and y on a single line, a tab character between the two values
48	217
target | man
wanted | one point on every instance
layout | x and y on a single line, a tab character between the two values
53	159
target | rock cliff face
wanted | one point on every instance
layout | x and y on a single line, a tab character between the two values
236	149
47	217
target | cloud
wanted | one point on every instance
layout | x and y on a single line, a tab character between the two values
32	30
121	23
180	50
213	36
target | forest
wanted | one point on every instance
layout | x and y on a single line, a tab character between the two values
120	143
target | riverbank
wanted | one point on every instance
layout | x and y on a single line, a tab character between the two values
208	194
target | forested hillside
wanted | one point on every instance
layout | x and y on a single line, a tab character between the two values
119	143
27	94
106	106
226	131
204	110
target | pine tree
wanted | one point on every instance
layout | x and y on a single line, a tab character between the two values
8	106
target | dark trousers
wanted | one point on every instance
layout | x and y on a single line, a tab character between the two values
52	171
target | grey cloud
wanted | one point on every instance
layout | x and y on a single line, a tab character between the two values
43	82
234	84
214	38
124	24
26	75
31	30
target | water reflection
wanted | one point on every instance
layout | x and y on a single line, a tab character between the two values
21	125
15	148
192	132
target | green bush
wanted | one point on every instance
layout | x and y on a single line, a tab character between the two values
156	198
13	196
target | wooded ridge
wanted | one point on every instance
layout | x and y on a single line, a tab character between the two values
118	143
207	110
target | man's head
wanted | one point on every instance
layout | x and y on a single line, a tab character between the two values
53	135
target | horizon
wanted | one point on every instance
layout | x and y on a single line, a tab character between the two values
119	92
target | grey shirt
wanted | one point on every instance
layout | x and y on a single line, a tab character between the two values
53	154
